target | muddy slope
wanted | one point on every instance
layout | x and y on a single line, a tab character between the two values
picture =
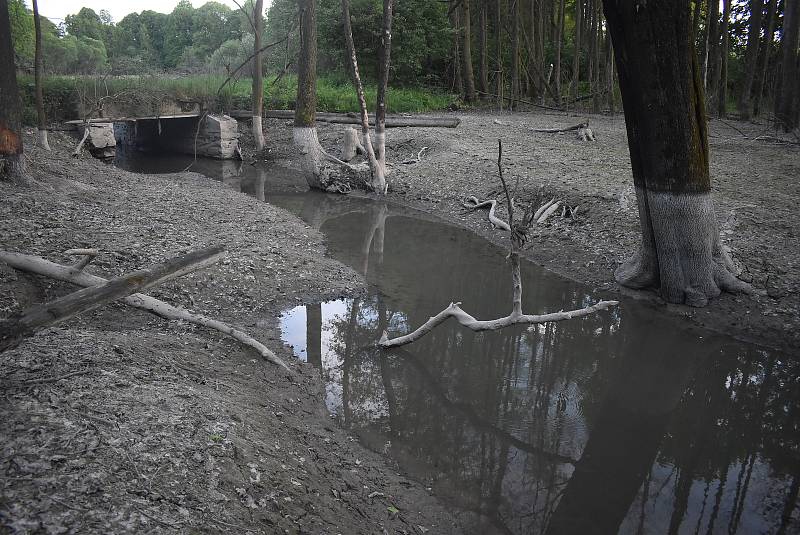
755	191
121	422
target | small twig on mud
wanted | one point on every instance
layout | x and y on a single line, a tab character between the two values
55	379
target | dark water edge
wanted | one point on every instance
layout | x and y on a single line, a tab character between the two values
628	421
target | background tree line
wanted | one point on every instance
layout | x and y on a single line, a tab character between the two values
548	52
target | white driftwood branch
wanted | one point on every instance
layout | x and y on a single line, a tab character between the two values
46	268
548	212
542	208
514	318
87	254
473	203
455	310
417	159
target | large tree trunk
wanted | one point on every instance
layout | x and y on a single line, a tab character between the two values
722	93
576	62
594	56
787	108
610	74
258	77
466	53
305	131
41	120
12	164
665	118
764	56
745	103
483	66
458	77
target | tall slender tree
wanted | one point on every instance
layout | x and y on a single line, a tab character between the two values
258	76
466	53
662	94
765	51
515	52
559	38
722	92
483	65
12	164
41	119
576	61
498	51
745	101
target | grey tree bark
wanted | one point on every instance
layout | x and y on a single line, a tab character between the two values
745	102
466	53
681	253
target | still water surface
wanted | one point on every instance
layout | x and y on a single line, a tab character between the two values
627	421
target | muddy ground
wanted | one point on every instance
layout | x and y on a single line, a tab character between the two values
118	421
121	422
756	191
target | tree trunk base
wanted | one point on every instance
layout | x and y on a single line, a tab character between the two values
323	171
351	145
42	139
12	168
258	133
681	253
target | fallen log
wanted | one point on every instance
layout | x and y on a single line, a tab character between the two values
75	275
584	132
27	322
352	118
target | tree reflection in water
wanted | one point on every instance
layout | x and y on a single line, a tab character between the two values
627	421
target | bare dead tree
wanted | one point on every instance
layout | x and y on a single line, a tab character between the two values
517	238
376	155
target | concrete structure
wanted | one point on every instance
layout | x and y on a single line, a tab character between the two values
217	137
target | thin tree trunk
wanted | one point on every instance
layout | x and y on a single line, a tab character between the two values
498	52
258	77
751	58
610	73
786	105
703	43
594	59
466	54
680	253
483	67
379	183
559	39
515	52
12	164
41	120
712	56
722	94
378	179
458	76
765	51
576	63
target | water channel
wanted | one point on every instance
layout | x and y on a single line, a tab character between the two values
628	421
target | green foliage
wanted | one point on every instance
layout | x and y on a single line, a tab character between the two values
86	23
62	94
22	33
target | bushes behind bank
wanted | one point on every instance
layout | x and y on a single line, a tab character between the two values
66	96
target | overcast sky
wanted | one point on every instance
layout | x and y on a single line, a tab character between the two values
56	10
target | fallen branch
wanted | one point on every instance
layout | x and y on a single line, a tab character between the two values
83	140
40	266
351	118
27	322
559	130
473	204
417	159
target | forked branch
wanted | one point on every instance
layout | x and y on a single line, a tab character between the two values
516	316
